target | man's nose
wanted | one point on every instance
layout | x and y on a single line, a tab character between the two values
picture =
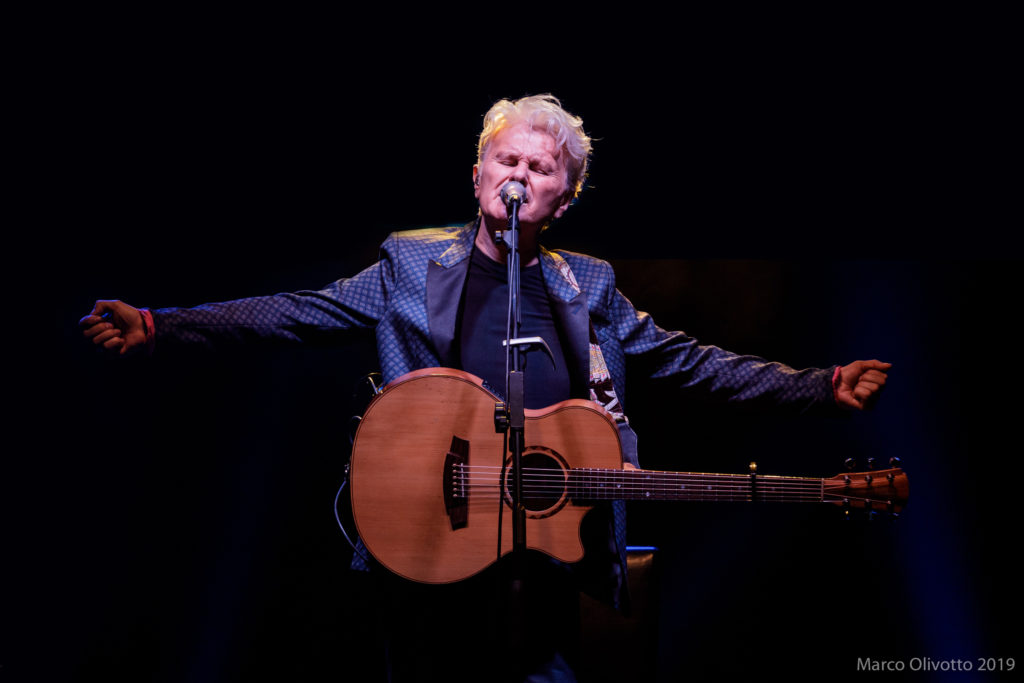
519	173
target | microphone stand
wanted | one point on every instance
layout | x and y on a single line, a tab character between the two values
510	417
515	389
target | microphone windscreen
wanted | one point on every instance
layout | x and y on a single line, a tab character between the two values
513	191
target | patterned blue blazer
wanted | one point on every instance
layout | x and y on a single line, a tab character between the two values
410	300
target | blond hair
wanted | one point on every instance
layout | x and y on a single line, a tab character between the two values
543	113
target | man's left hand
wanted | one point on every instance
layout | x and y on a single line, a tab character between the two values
860	382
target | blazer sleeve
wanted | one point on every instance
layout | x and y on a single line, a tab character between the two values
712	372
322	316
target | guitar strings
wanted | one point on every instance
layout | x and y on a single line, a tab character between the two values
480	483
580	477
491	493
632	481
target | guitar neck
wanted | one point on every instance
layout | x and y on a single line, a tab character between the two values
586	484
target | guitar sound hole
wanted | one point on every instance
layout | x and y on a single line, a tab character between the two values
544	477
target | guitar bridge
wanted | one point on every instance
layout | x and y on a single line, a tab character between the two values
455	483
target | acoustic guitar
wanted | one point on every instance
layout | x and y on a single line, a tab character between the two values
429	475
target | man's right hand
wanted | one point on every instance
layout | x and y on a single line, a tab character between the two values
115	326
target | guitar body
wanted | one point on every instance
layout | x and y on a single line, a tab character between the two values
426	467
428	490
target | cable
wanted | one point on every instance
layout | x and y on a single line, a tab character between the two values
354	422
341	526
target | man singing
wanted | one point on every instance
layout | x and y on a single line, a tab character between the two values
438	298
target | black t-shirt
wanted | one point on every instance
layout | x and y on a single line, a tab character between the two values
482	329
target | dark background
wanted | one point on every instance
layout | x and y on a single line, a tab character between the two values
813	201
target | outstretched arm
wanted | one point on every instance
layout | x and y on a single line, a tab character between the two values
347	304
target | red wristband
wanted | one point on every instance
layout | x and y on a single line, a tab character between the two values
147	325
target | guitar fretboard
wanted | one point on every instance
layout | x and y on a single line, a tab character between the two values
603	484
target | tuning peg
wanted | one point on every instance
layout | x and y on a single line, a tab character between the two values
871	463
894	462
850	463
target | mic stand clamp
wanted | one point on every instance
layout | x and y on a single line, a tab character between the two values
505	237
529	344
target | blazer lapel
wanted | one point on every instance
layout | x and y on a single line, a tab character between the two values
446	278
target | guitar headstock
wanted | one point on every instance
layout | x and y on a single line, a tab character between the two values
875	491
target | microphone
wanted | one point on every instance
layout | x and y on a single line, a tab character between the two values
512	193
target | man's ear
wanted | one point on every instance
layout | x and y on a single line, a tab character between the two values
566	203
476	181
